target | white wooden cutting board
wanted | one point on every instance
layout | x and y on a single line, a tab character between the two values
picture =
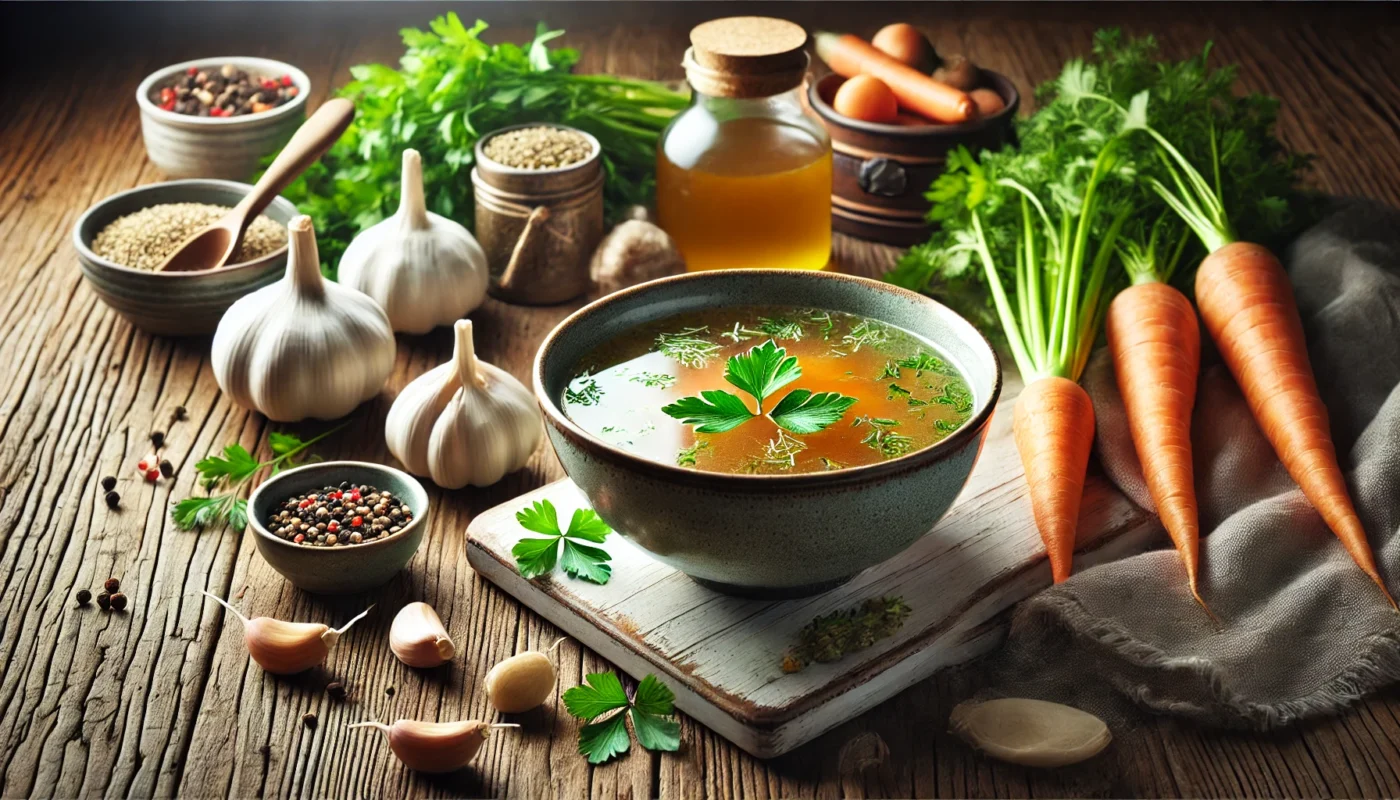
722	655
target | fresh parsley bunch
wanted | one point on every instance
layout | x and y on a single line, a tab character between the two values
605	706
450	89
536	557
232	470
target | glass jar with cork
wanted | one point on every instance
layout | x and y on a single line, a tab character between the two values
539	210
743	176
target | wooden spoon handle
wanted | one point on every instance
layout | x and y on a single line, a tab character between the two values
308	144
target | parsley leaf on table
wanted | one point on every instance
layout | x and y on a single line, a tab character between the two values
535	557
760	372
234	468
650	708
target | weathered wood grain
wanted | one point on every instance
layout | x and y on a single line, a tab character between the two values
161	700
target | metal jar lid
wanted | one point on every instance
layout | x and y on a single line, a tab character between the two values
743	57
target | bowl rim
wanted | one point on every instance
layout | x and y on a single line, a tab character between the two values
87	253
266	535
299	79
556	417
827	113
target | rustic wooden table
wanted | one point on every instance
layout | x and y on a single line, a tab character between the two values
162	700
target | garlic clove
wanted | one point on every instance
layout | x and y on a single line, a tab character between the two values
286	648
635	251
435	746
418	637
1032	733
521	682
424	269
464	422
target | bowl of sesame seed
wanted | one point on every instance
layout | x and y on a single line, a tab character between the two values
121	240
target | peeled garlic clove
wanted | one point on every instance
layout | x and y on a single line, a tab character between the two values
286	648
303	346
1032	733
521	682
464	422
435	746
424	269
418	637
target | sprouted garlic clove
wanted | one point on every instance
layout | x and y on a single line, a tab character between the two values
418	637
521	682
286	648
1032	733
435	746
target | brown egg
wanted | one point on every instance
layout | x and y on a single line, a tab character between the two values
988	101
866	98
906	43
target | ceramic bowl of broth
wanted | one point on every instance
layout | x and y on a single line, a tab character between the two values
769	433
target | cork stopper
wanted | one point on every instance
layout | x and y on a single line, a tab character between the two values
746	57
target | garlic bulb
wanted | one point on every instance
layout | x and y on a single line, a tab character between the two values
435	746
424	269
286	648
304	346
418	638
463	422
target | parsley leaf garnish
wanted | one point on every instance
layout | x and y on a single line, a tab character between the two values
604	705
234	468
536	557
760	372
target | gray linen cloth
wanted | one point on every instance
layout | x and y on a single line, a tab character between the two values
1303	631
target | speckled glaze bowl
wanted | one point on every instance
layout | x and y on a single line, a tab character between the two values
185	146
175	303
338	570
768	535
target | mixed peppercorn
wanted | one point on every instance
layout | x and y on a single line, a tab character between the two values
225	92
339	515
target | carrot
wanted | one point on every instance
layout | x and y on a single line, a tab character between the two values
850	56
1155	341
1054	428
1247	304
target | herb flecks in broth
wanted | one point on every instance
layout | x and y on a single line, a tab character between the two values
760	373
583	391
840	356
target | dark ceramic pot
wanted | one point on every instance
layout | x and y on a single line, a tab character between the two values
768	535
880	173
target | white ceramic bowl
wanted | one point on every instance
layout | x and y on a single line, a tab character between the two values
184	146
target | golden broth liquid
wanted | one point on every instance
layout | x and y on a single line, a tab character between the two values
759	195
907	397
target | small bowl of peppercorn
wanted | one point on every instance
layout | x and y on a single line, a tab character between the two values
339	527
219	117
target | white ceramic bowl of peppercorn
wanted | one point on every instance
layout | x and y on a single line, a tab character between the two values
219	117
176	303
336	564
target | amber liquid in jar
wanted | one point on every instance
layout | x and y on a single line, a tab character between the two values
745	193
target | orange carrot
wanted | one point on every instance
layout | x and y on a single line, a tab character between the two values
1247	304
1054	428
850	56
1155	342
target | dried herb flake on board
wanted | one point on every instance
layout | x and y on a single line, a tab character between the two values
831	636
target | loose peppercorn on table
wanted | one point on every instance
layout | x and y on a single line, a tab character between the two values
160	698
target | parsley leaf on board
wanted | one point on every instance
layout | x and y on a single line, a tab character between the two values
233	469
535	557
603	704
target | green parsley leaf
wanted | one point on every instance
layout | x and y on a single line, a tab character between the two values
235	465
803	412
601	741
762	371
718	412
650	709
535	557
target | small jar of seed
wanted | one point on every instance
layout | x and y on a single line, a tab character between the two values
539	210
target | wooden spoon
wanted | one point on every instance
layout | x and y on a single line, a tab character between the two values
213	246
